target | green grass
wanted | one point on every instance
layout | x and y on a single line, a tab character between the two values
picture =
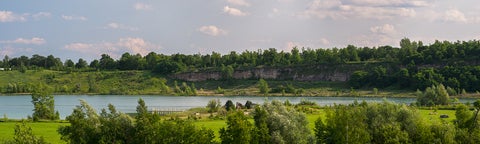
47	130
214	125
434	117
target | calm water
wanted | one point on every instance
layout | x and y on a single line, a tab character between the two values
18	107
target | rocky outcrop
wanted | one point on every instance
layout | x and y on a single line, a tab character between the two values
299	73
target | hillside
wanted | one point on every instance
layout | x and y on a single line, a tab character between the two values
324	72
147	83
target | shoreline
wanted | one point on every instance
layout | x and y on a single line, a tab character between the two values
223	95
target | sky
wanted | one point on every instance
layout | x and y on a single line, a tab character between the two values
88	28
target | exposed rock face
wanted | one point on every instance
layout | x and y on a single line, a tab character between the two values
198	76
308	73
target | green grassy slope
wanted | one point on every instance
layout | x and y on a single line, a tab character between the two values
47	130
145	82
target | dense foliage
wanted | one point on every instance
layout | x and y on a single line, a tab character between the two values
409	51
43	105
434	95
413	65
86	126
391	123
273	123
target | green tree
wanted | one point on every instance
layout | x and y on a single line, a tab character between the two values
213	105
24	135
84	125
263	86
379	123
229	106
115	127
69	63
261	133
463	116
434	95
284	125
169	67
238	129
44	104
81	64
343	125
151	60
145	124
358	79
467	129
227	72
249	104
95	64
107	63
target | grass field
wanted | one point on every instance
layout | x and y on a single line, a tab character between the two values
49	129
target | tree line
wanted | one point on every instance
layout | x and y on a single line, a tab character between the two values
411	66
392	123
408	52
457	77
273	122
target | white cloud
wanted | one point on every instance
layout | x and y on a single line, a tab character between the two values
115	49
135	45
41	15
212	30
290	45
389	3
372	40
34	41
318	43
142	6
380	36
114	25
362	9
239	2
7	51
233	11
275	10
274	13
386	29
8	16
324	41
11	51
69	17
454	15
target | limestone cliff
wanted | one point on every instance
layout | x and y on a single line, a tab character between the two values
340	72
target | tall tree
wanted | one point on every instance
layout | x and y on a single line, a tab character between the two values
263	86
69	63
44	104
84	125
238	129
81	64
106	62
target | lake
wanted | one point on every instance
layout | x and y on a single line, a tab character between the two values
20	106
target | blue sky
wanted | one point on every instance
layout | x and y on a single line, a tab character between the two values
86	29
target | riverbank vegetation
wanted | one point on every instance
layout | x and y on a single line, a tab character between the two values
378	71
270	122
